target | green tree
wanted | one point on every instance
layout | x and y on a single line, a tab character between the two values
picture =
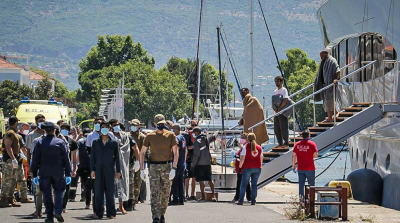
296	61
151	91
302	72
113	50
44	90
11	93
209	83
60	90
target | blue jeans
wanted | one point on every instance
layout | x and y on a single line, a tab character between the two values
303	174
253	174
58	184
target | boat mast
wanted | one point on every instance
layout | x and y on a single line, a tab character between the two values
196	88
220	79
251	47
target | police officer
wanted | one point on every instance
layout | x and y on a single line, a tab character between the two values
162	143
50	158
11	157
104	157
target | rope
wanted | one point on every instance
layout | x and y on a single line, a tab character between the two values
332	161
279	64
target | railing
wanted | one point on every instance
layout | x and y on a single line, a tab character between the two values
313	94
309	86
300	91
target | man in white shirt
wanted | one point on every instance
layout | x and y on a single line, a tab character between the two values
281	128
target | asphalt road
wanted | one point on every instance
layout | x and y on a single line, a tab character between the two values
192	212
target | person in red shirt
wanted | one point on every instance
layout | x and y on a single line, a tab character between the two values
242	144
251	159
304	152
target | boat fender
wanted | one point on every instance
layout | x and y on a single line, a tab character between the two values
366	185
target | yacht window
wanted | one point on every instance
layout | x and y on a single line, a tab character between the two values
374	161
387	163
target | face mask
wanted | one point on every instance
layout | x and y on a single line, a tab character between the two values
84	138
26	132
243	141
133	128
40	125
104	131
64	132
97	127
161	126
116	128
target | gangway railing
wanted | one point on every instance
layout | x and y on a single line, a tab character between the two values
302	90
312	95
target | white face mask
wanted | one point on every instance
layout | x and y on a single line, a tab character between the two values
26	132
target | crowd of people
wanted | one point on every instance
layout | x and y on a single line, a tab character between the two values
110	162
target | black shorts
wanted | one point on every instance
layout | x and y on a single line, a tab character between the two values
189	170
202	173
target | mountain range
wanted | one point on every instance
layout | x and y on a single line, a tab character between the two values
56	34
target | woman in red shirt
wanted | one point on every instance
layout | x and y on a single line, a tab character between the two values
243	142
251	159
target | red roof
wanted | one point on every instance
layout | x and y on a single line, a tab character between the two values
5	64
32	75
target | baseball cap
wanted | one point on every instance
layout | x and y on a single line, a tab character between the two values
13	119
169	122
159	119
49	126
135	122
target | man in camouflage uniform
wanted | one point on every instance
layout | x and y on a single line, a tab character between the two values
162	143
139	137
21	179
136	141
10	164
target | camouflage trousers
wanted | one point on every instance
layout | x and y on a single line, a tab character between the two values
160	188
135	183
23	188
9	179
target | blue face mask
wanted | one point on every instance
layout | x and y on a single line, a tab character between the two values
40	125
84	138
133	128
116	128
64	132
104	131
97	127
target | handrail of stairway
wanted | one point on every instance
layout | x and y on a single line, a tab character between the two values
309	86
311	95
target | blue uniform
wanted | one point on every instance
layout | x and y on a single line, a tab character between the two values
51	160
177	183
104	158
